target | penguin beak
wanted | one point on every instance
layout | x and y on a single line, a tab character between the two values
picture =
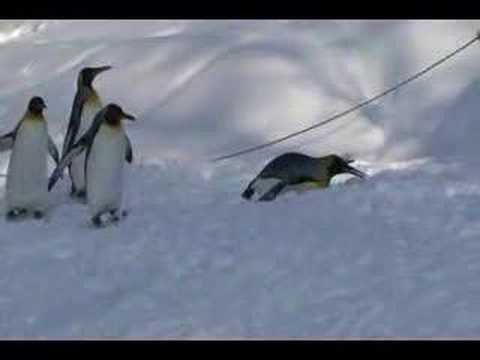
351	170
100	69
129	117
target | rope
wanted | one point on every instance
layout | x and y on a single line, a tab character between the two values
352	109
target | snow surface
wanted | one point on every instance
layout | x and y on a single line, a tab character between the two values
396	255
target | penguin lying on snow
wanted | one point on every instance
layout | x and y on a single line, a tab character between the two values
106	146
27	169
86	105
294	169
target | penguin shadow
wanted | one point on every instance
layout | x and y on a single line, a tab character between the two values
20	217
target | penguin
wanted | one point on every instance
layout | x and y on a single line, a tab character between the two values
294	171
106	146
26	188
86	105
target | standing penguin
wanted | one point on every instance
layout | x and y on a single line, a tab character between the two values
86	105
293	169
27	169
106	146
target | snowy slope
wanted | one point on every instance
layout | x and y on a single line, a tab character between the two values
396	255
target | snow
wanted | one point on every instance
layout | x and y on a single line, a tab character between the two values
395	255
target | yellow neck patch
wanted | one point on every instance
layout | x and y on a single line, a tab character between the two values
114	125
318	183
30	117
93	98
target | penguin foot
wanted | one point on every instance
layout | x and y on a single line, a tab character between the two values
111	217
80	195
37	214
97	221
114	216
15	213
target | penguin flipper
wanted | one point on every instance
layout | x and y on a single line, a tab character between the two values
7	141
248	193
66	160
129	151
273	192
81	145
74	122
53	151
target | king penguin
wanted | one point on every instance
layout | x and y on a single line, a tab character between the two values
106	146
86	105
26	188
294	170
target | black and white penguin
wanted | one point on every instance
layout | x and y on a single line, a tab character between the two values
295	170
26	188
106	146
86	105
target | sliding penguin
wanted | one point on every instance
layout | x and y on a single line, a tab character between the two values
106	147
86	105
293	169
26	189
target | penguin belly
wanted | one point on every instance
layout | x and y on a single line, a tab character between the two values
26	186
306	186
77	168
105	170
262	185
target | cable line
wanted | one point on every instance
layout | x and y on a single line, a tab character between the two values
352	109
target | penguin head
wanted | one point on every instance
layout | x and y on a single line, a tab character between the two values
88	74
114	114
337	165
36	105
